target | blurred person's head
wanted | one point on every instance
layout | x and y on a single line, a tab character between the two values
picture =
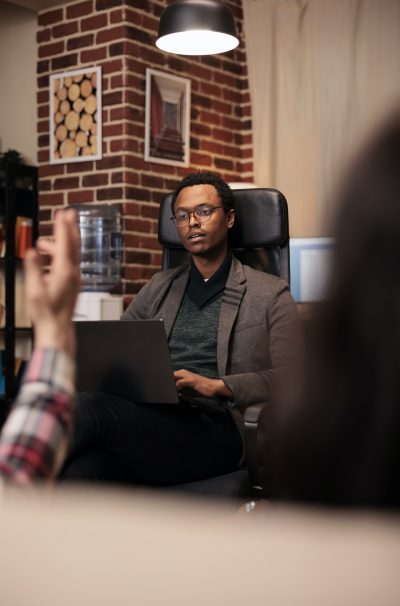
340	442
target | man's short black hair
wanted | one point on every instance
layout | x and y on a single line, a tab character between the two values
206	178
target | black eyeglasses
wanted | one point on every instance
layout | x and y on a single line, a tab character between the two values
202	213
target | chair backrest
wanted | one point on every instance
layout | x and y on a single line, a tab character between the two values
259	238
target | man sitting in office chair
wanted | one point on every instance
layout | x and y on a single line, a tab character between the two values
232	333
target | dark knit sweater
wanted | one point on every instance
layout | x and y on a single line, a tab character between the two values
193	340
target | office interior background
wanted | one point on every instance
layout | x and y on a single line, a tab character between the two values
287	109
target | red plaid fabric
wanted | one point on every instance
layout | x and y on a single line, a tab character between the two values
34	438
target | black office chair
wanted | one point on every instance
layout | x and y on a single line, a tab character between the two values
259	238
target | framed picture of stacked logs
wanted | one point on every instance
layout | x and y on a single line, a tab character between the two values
75	116
167	127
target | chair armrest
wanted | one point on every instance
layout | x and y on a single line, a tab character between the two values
253	412
255	443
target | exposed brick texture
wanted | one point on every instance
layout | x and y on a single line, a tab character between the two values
119	36
81	9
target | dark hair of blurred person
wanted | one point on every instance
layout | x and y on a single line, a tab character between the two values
339	442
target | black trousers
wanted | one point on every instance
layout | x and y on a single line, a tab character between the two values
115	440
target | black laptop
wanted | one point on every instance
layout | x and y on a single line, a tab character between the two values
129	359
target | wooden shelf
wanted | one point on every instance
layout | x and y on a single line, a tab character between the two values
18	329
18	198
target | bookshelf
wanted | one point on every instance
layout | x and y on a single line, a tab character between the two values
18	207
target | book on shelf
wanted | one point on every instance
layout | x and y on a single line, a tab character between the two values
19	371
23	236
22	319
23	353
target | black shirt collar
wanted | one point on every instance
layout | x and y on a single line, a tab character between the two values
203	293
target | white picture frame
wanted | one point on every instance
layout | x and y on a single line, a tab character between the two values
167	122
75	116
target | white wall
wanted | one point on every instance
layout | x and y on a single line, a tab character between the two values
323	74
18	53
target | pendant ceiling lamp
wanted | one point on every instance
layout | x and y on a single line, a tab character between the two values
197	27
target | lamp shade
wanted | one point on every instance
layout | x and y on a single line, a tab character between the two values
197	27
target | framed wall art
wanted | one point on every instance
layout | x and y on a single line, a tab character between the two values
75	116
167	118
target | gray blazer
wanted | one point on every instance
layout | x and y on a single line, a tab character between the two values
258	329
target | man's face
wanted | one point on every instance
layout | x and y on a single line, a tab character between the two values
204	238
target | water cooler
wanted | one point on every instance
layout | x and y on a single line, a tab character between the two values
101	257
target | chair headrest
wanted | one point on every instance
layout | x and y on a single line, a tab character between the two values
261	220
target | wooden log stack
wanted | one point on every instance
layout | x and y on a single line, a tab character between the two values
75	116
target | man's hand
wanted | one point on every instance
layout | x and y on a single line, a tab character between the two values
51	296
192	384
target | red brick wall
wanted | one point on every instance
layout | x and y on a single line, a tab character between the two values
119	35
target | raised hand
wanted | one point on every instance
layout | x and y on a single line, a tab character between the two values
51	296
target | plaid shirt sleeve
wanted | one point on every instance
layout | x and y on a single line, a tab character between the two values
34	438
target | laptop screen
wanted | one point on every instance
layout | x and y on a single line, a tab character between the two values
129	359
